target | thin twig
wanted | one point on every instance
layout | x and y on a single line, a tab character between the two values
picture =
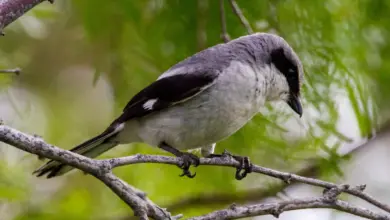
224	34
240	15
16	71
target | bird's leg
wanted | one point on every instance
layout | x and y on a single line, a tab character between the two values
187	158
245	164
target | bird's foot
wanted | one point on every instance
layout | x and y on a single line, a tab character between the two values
243	169
188	159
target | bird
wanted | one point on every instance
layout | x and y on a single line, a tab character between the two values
202	100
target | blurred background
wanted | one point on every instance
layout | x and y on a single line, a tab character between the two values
83	60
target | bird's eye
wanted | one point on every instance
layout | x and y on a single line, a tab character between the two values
291	70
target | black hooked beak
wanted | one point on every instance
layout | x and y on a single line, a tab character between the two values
295	103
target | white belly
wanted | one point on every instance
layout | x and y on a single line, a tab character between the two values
211	116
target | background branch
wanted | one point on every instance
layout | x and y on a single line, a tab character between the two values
14	71
224	34
240	15
275	209
10	10
201	36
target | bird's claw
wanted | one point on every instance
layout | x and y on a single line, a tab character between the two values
244	168
187	173
188	159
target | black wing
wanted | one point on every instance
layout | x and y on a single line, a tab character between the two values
166	92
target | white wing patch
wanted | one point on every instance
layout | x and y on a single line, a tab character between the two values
148	105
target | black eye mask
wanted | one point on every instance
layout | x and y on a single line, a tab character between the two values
288	68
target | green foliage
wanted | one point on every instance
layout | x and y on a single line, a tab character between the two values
93	47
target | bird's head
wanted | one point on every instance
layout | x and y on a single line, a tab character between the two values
286	72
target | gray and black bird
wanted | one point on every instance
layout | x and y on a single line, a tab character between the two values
201	100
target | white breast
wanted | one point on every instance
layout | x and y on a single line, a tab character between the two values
211	116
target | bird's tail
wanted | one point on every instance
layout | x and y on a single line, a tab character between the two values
91	148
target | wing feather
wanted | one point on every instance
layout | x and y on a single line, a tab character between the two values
166	92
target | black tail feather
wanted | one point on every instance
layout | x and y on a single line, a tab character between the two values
90	148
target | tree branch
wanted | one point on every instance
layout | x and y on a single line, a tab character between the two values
10	10
275	209
252	195
255	195
246	196
136	199
144	208
230	162
240	15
